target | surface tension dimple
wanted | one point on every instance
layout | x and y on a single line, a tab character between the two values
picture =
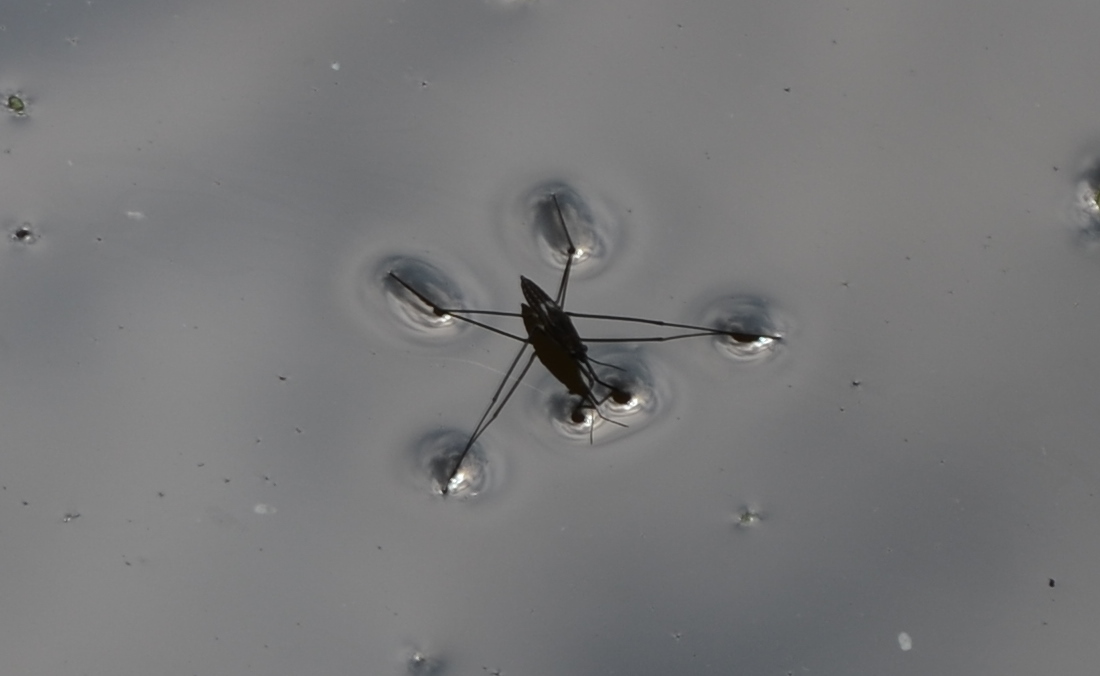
410	309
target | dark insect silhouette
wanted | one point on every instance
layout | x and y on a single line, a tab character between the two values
557	345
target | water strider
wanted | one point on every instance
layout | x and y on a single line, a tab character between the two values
557	345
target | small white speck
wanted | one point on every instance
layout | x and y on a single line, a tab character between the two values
904	641
135	215
261	508
336	65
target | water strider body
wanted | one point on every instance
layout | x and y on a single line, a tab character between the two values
556	343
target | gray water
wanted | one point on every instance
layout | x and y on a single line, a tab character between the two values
215	420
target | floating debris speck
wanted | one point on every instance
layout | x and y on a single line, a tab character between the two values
24	234
748	518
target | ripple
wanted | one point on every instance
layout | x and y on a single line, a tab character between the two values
434	458
414	313
1087	205
418	663
591	225
1084	206
748	517
23	234
629	407
752	332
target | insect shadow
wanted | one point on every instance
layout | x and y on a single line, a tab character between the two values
556	344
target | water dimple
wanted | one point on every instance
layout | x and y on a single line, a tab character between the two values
750	329
590	226
411	287
1084	216
627	404
418	663
1088	206
748	517
23	234
435	457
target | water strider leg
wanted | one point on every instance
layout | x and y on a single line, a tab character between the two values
458	313
696	330
483	423
570	253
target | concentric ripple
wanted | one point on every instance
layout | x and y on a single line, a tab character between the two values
1087	205
591	226
752	331
632	403
1084	205
421	277
434	458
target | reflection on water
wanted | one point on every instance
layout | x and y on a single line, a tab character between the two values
590	227
754	332
630	374
411	287
433	466
1087	206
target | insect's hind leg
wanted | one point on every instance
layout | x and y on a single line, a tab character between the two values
614	392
